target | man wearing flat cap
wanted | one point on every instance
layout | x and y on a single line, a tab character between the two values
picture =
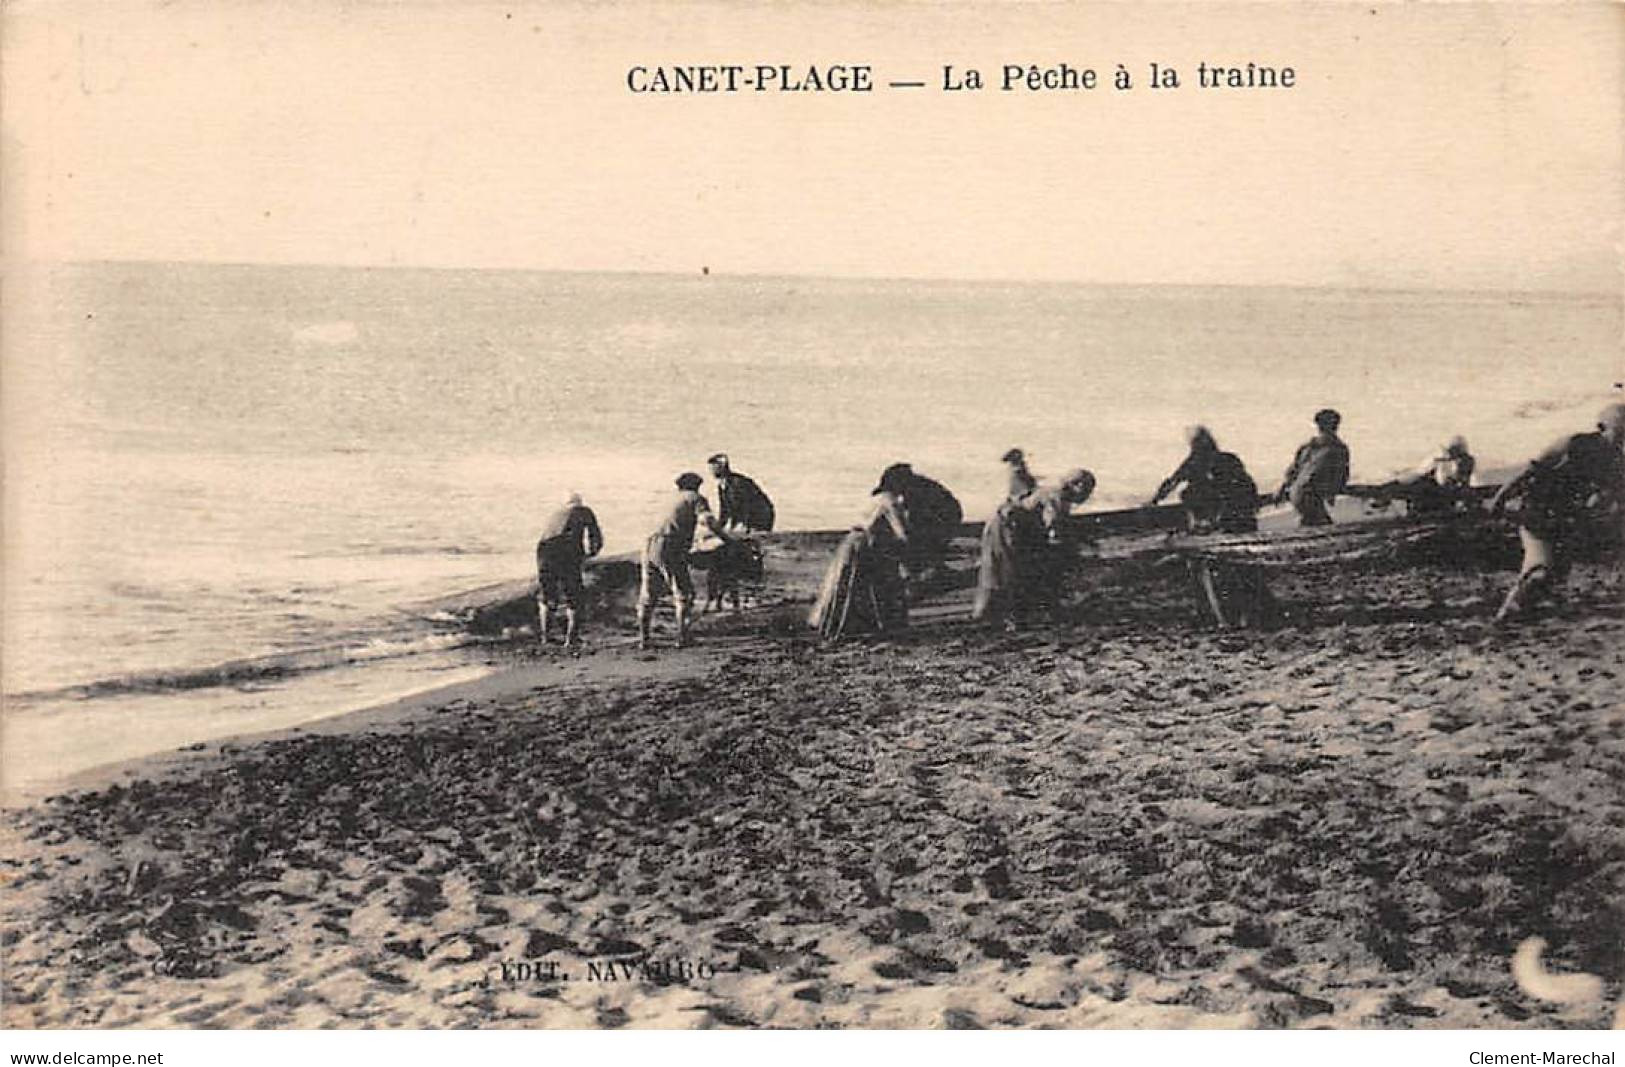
665	556
1319	472
740	501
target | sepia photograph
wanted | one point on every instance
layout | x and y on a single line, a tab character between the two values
813	515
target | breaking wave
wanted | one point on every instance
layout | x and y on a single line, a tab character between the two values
244	673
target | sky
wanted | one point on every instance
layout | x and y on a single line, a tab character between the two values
1469	146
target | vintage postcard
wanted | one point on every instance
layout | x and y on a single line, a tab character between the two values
812	515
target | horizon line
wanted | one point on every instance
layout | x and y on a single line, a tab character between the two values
706	272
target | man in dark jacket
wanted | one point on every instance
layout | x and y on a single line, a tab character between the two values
740	501
569	537
1221	497
932	514
1573	489
1219	493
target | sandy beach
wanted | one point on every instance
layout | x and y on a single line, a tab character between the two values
1121	821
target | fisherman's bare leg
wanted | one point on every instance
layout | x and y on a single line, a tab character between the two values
682	607
570	640
645	599
681	580
1537	577
541	617
1209	593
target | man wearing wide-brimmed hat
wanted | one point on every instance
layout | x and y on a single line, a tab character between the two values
933	515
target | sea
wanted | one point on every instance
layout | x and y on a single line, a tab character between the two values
234	494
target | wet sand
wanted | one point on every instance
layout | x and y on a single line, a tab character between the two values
1123	820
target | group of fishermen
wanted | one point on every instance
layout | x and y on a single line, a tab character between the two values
572	535
1561	497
